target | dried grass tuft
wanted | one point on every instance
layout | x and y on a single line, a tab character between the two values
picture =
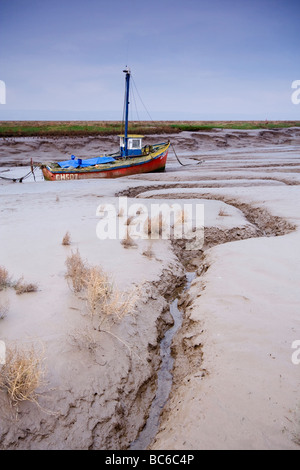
106	302
66	241
119	304
147	226
140	211
128	242
223	213
22	287
181	218
22	374
148	252
77	272
98	288
154	225
106	305
121	212
129	220
4	278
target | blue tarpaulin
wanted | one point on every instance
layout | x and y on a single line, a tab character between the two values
79	163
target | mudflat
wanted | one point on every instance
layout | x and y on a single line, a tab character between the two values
236	374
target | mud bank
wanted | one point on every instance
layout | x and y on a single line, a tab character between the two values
99	385
42	149
110	403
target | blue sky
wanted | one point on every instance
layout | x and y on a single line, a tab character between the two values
190	59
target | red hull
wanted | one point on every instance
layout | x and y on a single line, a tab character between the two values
156	164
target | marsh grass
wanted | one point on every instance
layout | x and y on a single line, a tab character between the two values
4	278
154	225
86	128
66	241
113	309
119	304
22	287
22	374
77	272
106	305
223	213
128	242
98	288
129	220
148	252
181	218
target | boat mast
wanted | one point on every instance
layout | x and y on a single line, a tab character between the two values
127	80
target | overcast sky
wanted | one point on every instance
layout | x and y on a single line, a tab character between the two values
190	59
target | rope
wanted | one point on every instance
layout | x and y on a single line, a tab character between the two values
134	100
32	169
185	164
132	79
20	179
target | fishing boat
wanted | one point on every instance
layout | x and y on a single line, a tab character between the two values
132	157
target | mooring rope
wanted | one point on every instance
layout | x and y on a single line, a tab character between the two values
21	178
185	164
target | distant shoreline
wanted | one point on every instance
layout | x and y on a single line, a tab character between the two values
104	128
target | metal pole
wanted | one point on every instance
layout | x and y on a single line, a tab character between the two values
127	79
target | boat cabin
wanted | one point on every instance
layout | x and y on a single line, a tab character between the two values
134	145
